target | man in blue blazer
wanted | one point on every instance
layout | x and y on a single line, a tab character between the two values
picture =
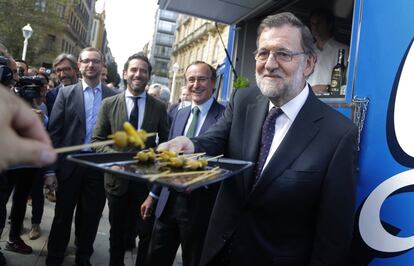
296	206
182	218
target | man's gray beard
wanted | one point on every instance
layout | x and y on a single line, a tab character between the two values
286	92
269	89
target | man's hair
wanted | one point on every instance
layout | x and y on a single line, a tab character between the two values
287	18
91	49
69	57
22	61
213	73
140	56
327	15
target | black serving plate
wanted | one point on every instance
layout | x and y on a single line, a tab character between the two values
133	170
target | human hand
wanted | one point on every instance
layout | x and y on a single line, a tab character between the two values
179	144
23	139
146	207
51	182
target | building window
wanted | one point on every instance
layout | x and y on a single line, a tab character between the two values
40	5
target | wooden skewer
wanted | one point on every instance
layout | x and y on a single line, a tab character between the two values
203	177
155	177
178	174
92	145
84	146
193	155
216	157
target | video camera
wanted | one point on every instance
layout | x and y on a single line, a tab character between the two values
6	74
29	87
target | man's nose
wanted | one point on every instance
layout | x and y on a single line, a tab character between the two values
271	62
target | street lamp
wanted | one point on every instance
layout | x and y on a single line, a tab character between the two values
27	33
175	69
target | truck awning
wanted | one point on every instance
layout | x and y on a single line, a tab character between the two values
225	11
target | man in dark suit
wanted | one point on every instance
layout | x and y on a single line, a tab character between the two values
66	69
124	196
182	218
296	207
71	123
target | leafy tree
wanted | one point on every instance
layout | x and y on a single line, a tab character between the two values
43	17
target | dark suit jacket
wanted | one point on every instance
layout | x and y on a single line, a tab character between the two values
172	112
301	211
51	97
111	117
67	123
199	196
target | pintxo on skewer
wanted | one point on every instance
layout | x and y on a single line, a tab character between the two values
121	139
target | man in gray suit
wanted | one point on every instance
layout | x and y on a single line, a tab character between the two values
71	123
124	196
296	207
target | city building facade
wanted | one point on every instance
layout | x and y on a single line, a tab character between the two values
161	45
196	39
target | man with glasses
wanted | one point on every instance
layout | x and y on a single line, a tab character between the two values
182	218
72	120
66	69
296	205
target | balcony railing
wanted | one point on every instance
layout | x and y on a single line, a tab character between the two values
199	33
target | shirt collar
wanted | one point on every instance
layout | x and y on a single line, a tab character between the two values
292	108
85	86
128	94
204	107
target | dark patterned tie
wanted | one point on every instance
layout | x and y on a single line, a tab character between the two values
268	132
133	118
193	126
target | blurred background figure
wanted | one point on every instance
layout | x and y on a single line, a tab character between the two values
183	101
322	25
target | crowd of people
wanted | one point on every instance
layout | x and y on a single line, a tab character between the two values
295	207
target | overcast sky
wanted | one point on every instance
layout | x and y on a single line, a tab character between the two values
129	25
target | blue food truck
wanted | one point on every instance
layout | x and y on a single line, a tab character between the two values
379	98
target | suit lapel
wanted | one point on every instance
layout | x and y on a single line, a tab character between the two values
181	121
297	138
149	108
122	116
255	115
79	103
211	117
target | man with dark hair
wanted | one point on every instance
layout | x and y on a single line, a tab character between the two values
296	206
124	196
72	120
182	218
322	24
66	68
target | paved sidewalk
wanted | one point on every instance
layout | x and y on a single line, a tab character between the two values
37	258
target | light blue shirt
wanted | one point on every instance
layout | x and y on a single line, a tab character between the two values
92	100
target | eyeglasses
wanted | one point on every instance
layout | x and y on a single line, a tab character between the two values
263	55
63	69
192	80
87	61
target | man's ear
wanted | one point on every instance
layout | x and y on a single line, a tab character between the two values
309	66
